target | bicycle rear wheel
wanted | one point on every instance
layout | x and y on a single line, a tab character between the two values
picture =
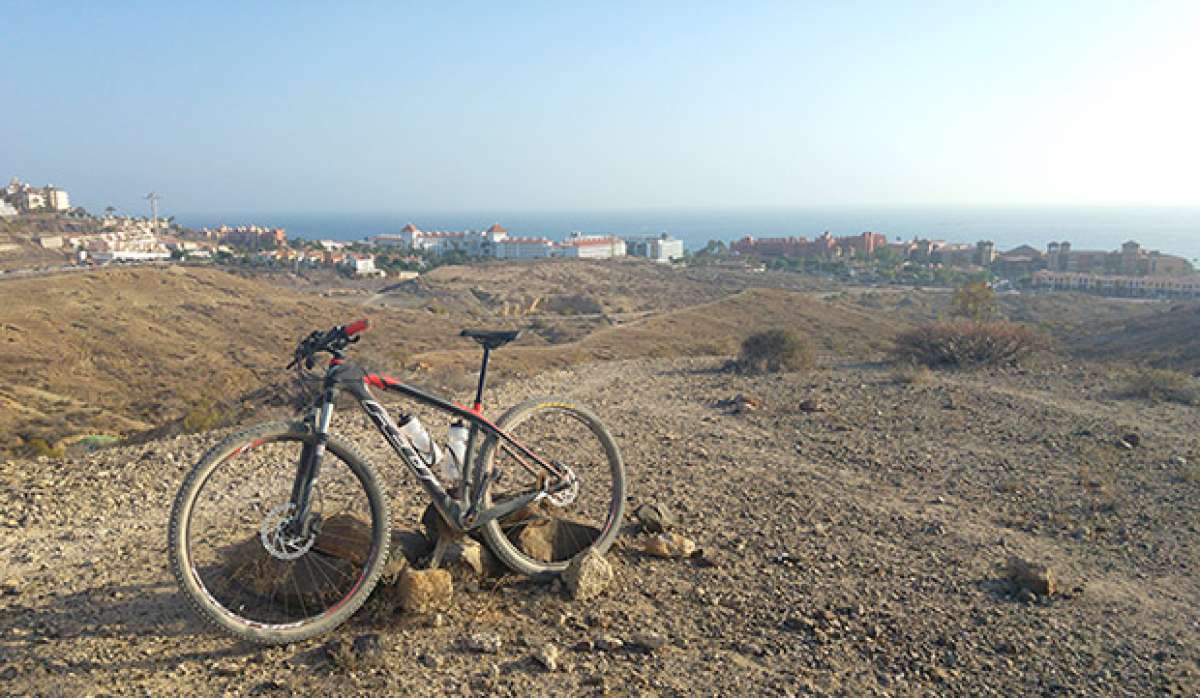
541	540
232	552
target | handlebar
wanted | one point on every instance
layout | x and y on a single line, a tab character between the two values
333	341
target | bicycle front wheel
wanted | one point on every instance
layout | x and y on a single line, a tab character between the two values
240	563
541	539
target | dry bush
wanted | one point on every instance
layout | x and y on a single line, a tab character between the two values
968	343
911	374
1161	385
206	416
775	350
38	446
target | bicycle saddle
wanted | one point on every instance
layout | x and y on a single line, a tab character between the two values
491	339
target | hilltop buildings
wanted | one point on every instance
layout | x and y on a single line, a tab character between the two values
26	198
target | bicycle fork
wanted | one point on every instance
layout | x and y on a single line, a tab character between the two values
309	468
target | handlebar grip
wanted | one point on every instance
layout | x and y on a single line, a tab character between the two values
356	327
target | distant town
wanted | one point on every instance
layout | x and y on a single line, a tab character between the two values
42	218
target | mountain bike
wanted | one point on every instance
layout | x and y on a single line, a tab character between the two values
281	531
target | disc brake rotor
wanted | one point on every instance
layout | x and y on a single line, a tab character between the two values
278	542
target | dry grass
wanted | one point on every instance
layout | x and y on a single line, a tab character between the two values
1161	385
911	374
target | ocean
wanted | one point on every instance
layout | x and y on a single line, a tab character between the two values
1173	230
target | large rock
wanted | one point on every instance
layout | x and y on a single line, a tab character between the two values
250	568
1035	578
587	576
424	591
467	558
345	536
550	539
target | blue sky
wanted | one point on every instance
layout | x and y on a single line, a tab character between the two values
319	107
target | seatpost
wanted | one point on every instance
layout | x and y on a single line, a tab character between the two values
482	379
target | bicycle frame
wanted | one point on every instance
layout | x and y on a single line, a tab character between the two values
342	375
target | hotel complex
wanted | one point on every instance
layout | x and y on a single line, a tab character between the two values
497	243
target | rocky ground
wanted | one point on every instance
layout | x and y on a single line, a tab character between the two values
855	524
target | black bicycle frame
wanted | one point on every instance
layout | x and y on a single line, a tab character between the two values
342	375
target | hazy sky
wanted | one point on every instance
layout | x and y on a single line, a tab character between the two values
306	106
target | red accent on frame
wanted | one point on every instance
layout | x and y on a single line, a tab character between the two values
336	362
379	380
477	408
356	327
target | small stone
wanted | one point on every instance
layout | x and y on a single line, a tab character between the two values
547	656
1037	579
438	620
587	576
609	643
669	545
1134	440
649	641
367	646
654	517
11	587
431	661
484	643
1180	461
811	405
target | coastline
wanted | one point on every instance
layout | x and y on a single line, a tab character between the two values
1173	230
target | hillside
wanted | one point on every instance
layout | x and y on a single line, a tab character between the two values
118	350
1167	337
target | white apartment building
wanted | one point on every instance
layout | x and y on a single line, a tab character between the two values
591	246
7	210
522	248
57	199
662	248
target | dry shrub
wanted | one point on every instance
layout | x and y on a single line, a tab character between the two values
206	416
775	350
963	343
911	374
38	446
1161	385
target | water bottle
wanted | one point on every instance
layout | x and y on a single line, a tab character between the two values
456	445
426	447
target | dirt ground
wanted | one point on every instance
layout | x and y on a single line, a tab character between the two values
858	526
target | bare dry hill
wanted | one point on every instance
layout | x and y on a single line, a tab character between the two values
117	350
1169	337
